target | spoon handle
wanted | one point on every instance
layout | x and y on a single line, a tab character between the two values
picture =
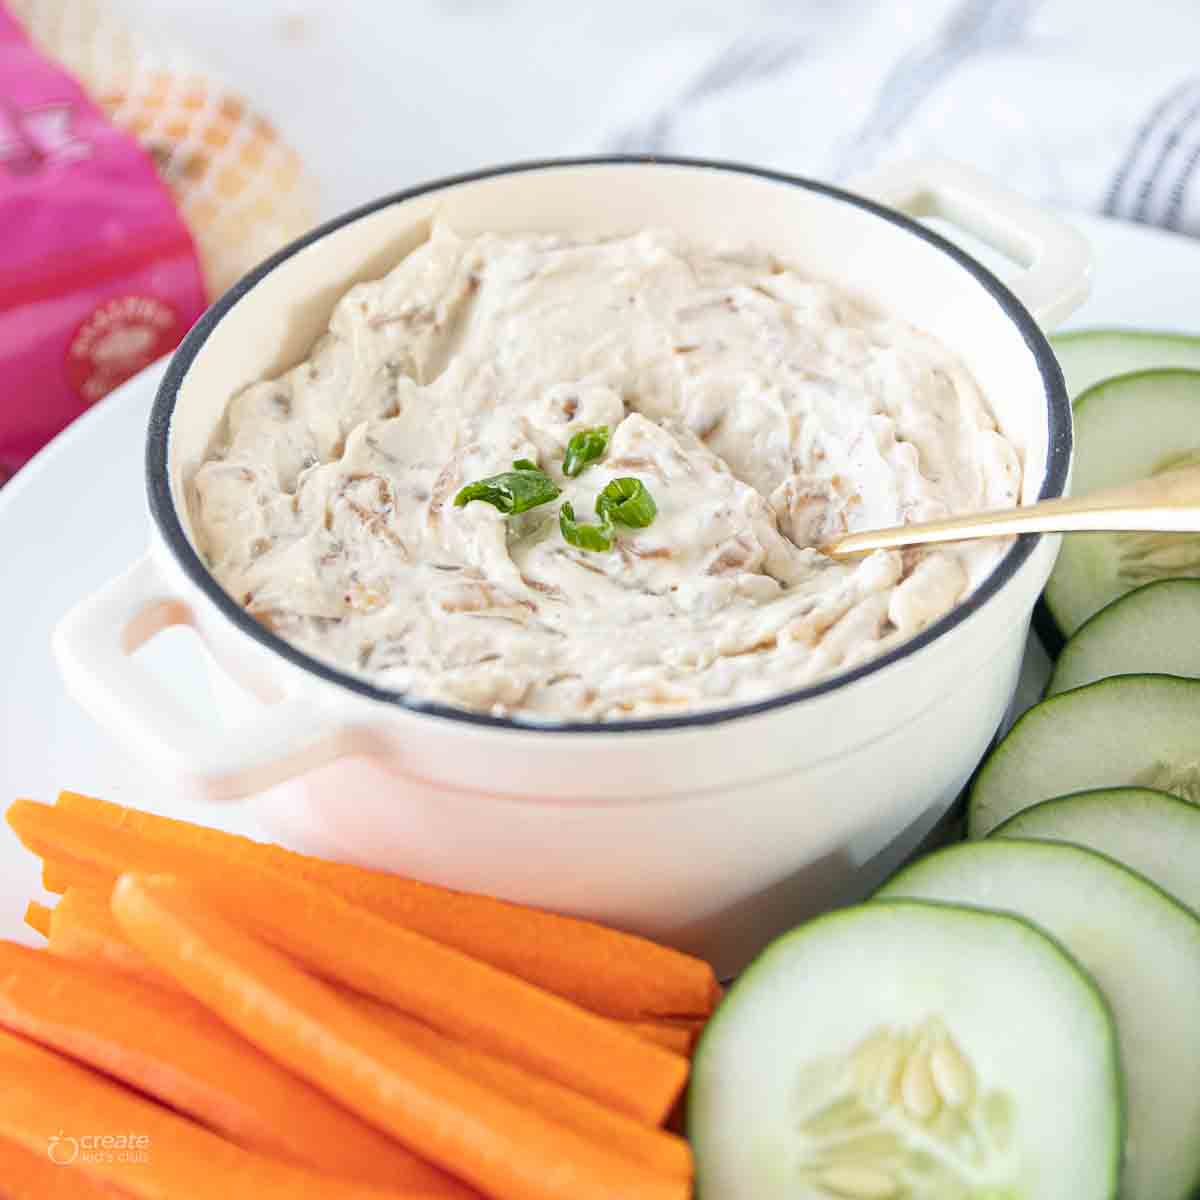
1166	503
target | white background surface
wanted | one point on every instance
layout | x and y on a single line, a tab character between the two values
1087	104
380	94
76	516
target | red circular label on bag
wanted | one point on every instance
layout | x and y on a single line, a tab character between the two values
120	337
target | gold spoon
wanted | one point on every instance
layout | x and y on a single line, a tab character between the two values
1166	503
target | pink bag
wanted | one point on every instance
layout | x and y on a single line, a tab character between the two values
98	273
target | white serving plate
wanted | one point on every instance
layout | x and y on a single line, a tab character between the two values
78	510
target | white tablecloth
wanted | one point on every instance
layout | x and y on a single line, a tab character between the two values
1087	103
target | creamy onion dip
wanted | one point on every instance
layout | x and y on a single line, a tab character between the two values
765	411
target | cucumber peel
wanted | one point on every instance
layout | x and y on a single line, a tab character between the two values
1089	356
1153	833
1126	429
1127	731
900	1049
1143	948
1154	629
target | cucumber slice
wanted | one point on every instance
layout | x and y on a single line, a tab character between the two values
1088	356
1150	832
1125	429
1155	629
1131	730
1142	947
908	1050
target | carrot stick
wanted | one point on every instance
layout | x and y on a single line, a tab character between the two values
458	995
33	1175
44	1094
82	928
166	1045
506	1150
644	1144
674	1037
58	875
651	1147
693	1026
610	972
37	917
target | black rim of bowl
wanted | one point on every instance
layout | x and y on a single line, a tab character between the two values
165	517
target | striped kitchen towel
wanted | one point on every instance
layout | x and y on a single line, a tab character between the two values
1088	104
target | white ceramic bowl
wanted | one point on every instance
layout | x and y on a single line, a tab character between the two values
713	831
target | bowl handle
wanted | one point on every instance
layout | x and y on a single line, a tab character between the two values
1056	258
94	643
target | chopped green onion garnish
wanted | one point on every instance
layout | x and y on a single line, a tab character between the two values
626	501
582	535
584	448
525	464
513	491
